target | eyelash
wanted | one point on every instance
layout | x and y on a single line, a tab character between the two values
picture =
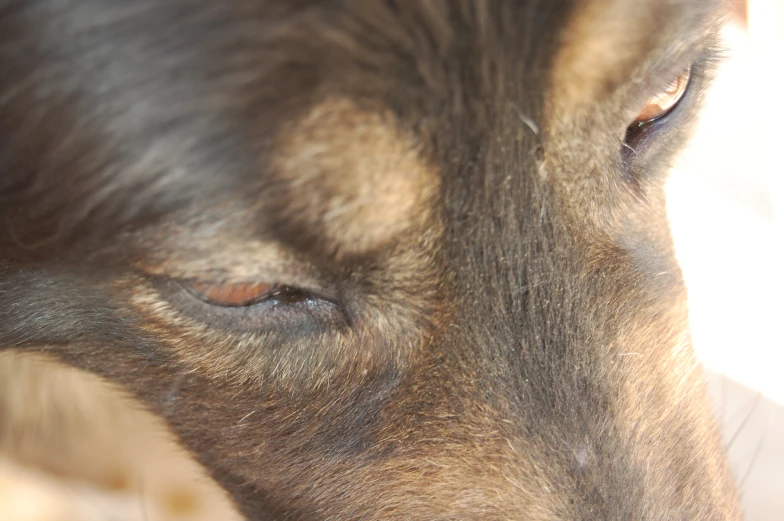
237	295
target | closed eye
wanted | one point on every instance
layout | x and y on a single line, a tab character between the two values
252	307
242	294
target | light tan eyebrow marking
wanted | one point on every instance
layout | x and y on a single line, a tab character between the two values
353	176
605	42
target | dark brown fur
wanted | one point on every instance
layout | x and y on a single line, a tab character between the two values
502	333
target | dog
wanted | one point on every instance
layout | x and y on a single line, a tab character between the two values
369	260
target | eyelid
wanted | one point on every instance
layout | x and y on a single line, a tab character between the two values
294	275
198	254
666	99
235	294
277	316
702	62
232	294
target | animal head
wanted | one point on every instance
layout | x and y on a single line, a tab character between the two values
371	260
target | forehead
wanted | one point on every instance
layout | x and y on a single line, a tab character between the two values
195	101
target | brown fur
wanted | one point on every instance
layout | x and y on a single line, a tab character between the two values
495	326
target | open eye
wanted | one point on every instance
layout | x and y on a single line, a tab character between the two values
243	294
663	102
649	120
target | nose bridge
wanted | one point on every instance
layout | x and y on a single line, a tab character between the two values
529	324
523	347
538	339
541	415
534	420
519	329
520	274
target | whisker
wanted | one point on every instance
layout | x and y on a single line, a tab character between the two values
734	437
757	451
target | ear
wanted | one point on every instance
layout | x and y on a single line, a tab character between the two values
605	41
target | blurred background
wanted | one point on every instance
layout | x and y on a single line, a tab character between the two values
725	203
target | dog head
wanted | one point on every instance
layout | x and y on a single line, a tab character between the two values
370	260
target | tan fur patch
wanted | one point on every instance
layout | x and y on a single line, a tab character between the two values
605	44
601	44
365	180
